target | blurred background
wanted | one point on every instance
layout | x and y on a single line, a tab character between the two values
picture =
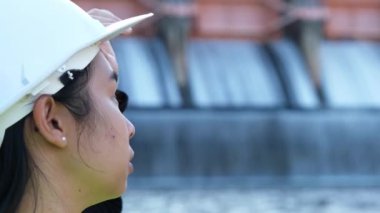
252	105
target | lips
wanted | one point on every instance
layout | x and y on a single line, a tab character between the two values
130	165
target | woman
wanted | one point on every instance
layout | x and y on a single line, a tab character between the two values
64	140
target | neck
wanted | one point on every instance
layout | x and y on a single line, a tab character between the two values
44	197
50	189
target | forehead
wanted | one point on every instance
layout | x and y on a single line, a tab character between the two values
101	66
109	54
101	73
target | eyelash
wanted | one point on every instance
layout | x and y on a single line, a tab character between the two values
122	100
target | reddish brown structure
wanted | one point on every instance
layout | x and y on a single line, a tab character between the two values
243	19
238	19
357	19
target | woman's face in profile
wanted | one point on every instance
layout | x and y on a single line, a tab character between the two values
104	145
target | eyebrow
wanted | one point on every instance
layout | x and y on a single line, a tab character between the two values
114	76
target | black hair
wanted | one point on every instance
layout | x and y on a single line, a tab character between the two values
14	168
16	165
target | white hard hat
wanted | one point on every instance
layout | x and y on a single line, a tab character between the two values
39	41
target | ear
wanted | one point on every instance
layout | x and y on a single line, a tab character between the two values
49	119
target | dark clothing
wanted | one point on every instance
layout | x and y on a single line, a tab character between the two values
109	206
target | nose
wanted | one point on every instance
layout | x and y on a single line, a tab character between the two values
131	129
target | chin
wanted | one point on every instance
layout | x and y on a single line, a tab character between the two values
117	189
122	187
126	186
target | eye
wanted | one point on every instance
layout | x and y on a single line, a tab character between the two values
122	99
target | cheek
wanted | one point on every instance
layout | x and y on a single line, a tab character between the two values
108	156
115	134
111	130
118	155
116	138
111	154
110	121
117	128
111	134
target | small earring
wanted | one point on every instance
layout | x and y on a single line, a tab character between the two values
64	138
